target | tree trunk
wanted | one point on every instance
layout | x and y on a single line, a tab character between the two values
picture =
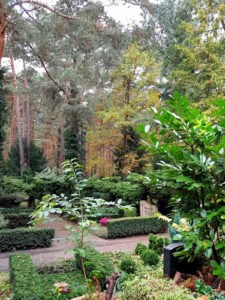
27	114
17	104
61	141
3	23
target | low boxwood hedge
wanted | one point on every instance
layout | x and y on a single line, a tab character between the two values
135	226
96	264
25	281
15	210
25	238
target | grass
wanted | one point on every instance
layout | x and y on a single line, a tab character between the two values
5	286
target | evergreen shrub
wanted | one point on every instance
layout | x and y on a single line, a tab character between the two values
128	265
157	243
149	257
96	264
135	226
140	248
25	238
17	220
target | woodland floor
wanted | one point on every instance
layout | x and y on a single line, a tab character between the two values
61	245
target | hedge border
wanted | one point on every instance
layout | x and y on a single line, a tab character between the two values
125	227
25	238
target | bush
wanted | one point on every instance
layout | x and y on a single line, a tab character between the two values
10	201
106	211
15	210
149	257
130	212
96	264
128	265
17	220
3	222
157	243
25	238
134	226
139	248
25	281
153	288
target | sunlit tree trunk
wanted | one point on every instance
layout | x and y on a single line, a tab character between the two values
27	114
17	104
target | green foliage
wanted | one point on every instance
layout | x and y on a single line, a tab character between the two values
140	248
15	210
133	226
157	243
96	264
25	238
23	272
37	159
149	257
191	147
203	289
73	145
153	288
3	222
131	212
64	266
17	220
128	265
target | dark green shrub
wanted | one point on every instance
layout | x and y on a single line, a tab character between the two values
96	264
65	266
135	226
140	248
157	243
17	220
25	281
149	257
25	238
15	210
3	222
10	201
128	265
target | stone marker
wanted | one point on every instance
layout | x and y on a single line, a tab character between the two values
171	263
147	208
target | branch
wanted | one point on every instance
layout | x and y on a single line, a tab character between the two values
48	74
48	7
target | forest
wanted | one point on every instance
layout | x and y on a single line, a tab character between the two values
86	81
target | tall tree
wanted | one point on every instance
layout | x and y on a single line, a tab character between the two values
2	122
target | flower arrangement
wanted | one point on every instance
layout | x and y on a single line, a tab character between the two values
104	220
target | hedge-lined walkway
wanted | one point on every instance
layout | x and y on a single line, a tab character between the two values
60	247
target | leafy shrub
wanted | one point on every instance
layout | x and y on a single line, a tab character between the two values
153	288
96	264
128	265
105	211
149	257
65	266
10	201
139	248
104	220
15	210
25	238
133	226
130	212
157	243
17	220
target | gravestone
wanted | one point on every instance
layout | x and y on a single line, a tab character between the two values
171	263
147	208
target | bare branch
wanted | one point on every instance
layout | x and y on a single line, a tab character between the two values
48	74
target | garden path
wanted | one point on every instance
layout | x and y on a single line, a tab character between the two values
61	245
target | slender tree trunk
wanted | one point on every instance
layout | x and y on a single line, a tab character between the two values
3	23
61	142
12	123
17	104
27	114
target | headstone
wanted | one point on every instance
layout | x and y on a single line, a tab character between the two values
147	208
172	264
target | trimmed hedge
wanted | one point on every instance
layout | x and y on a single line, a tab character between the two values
25	238
96	264
17	220
15	210
25	281
135	226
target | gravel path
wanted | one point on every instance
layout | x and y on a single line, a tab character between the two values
61	245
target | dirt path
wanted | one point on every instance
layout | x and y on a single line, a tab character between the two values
61	245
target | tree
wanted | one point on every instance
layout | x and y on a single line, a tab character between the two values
37	159
3	117
133	90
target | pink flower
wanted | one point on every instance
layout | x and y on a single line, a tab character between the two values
104	220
